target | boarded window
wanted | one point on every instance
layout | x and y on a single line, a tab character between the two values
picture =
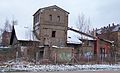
53	33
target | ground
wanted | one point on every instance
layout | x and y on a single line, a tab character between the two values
73	72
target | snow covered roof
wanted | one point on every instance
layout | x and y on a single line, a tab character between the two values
24	33
117	28
51	7
105	29
73	37
99	31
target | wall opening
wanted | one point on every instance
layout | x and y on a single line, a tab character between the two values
50	17
41	54
53	33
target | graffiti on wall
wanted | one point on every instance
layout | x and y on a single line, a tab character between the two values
65	56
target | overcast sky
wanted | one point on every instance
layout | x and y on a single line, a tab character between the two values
101	12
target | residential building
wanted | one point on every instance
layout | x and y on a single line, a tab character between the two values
24	42
112	33
6	38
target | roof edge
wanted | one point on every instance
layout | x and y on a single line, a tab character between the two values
49	7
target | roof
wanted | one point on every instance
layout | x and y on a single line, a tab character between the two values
82	33
113	28
74	37
99	31
51	7
105	40
117	28
24	33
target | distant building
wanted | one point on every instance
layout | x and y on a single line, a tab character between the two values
112	33
25	42
92	48
6	38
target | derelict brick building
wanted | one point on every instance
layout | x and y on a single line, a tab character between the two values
50	25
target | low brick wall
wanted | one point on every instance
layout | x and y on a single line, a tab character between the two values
62	54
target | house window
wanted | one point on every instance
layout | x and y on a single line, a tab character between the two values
119	29
36	18
41	54
53	33
58	18
50	16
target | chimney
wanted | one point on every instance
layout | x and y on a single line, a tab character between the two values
113	24
104	27
117	24
94	32
96	29
109	25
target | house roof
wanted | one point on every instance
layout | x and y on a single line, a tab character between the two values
105	40
82	33
117	28
75	38
113	28
72	37
51	7
24	33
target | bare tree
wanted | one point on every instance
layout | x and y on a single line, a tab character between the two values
1	31
7	26
83	23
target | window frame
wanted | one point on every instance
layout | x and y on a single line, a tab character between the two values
53	34
50	17
58	18
36	19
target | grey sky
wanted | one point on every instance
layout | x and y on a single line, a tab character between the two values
101	12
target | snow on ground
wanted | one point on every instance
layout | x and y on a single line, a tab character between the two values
45	68
11	66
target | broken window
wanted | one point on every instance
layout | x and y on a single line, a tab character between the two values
50	16
58	18
53	33
36	19
41	54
